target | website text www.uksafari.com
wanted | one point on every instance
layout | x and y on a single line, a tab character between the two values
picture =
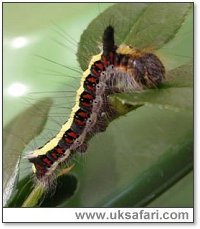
136	215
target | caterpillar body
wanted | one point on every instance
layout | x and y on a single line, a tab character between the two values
116	69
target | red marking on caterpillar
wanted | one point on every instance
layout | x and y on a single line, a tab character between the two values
116	69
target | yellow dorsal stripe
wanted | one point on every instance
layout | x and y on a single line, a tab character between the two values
54	142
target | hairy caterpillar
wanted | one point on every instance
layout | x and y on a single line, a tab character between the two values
116	69
131	143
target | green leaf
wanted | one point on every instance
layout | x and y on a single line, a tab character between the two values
21	192
180	77
179	50
17	134
137	24
157	25
170	98
32	200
